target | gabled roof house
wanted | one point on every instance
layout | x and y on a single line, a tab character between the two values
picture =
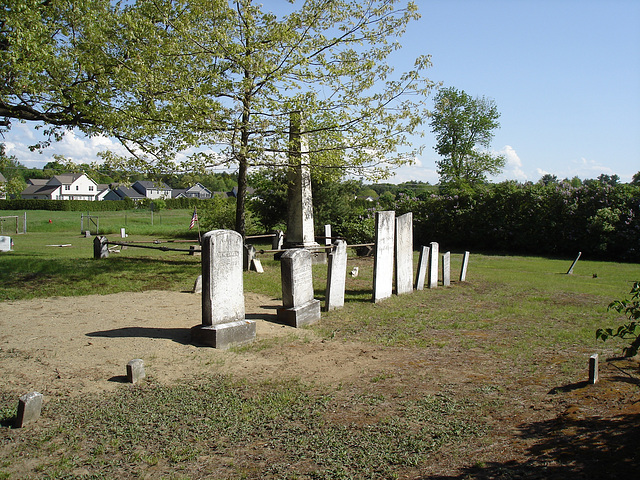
150	189
68	186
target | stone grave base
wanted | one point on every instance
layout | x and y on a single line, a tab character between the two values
224	335
300	316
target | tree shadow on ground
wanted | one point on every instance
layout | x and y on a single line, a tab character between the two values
567	447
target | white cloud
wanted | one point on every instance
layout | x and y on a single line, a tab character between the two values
513	165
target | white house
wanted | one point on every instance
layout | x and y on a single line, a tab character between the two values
151	189
67	186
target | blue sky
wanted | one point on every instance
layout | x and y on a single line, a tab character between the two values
565	76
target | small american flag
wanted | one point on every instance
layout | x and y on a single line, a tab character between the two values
194	219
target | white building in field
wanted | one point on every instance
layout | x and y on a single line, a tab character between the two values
67	186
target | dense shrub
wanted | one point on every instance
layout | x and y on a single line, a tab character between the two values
556	219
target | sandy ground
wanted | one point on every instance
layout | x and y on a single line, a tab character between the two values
75	345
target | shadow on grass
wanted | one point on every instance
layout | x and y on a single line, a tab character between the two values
566	447
178	335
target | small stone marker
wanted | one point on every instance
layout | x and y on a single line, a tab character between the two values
570	271
433	265
135	371
249	255
5	244
87	234
299	307
423	262
197	286
256	265
383	259
336	276
446	269
29	408
123	234
223	321
355	271
593	369
465	264
404	254
100	247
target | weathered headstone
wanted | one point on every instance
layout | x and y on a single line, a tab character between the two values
223	313
197	286
100	247
593	369
465	265
5	244
327	235
433	264
87	234
299	308
383	259
423	261
278	240
570	271
256	266
249	254
336	276
29	408
300	229
404	254
123	233
446	269
135	370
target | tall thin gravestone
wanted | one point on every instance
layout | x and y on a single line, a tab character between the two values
100	247
465	265
327	235
570	271
300	229
433	265
446	269
336	276
299	308
383	259
423	261
223	314
404	254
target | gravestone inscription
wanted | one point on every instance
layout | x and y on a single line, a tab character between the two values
336	276
383	255
299	307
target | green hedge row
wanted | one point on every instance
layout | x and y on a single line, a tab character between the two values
601	221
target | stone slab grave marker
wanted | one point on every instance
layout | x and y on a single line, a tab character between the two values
223	311
383	255
299	308
29	408
100	247
5	244
433	265
423	263
336	276
300	229
446	269
135	370
465	265
404	254
570	271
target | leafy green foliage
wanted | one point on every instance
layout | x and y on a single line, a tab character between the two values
629	330
461	124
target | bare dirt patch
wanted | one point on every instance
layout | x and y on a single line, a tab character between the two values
538	427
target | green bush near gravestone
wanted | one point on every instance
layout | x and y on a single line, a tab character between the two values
629	330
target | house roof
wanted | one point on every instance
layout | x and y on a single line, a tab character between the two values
38	181
67	178
177	192
128	192
2	179
39	189
147	184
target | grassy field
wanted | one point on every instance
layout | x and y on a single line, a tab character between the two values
522	315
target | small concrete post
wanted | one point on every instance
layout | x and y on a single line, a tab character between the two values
135	370
593	369
29	408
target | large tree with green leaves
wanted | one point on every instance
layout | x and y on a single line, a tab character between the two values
461	125
219	79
